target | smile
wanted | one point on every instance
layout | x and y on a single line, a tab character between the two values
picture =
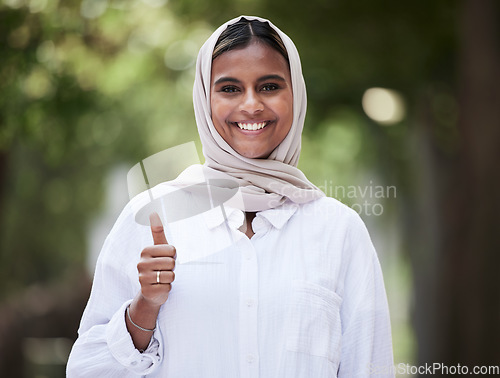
252	126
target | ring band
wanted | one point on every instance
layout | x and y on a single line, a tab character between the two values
158	276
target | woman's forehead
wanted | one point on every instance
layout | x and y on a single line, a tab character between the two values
254	59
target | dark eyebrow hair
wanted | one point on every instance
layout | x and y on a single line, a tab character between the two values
272	77
234	80
226	79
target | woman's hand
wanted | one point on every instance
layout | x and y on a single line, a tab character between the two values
156	267
144	309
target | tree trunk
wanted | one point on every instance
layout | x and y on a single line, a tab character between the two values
458	314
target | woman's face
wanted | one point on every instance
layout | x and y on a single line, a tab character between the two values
251	99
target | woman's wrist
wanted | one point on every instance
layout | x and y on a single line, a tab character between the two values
136	325
143	312
140	319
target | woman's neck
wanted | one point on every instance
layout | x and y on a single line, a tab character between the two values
247	224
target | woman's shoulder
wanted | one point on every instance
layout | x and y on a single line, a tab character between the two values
337	222
330	216
328	209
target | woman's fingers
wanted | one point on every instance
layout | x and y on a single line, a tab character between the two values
156	277
156	265
163	250
148	264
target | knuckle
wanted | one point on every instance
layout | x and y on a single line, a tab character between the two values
170	250
172	264
171	276
145	252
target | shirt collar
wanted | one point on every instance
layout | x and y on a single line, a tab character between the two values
277	216
215	216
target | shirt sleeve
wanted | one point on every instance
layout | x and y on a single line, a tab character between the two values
366	334
104	347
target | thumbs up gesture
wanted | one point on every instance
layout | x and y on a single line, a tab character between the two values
156	266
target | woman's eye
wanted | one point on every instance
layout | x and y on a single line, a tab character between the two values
229	89
269	87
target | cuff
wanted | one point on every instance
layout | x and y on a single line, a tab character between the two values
122	347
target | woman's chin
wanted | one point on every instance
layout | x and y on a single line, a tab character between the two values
254	154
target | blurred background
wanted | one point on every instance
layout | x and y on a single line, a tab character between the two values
403	125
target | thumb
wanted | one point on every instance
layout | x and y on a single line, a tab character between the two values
157	229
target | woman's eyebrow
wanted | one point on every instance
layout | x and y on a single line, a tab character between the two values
272	77
226	79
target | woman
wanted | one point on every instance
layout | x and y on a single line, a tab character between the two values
291	285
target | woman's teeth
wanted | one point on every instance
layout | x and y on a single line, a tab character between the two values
251	126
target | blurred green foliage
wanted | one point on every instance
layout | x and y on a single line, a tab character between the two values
79	95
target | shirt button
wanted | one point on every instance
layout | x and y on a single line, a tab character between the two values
250	302
250	358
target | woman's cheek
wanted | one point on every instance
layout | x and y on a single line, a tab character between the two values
220	109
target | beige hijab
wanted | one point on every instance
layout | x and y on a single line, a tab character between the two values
263	183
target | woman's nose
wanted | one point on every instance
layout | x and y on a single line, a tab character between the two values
251	103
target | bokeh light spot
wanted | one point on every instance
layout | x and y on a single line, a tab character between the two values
15	4
37	5
37	84
181	55
384	106
45	52
93	8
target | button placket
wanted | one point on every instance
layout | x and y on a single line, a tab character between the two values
249	362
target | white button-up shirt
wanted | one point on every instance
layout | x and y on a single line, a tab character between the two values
304	297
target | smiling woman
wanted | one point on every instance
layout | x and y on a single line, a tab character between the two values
288	284
251	99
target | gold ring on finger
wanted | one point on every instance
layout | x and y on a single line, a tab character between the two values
158	276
